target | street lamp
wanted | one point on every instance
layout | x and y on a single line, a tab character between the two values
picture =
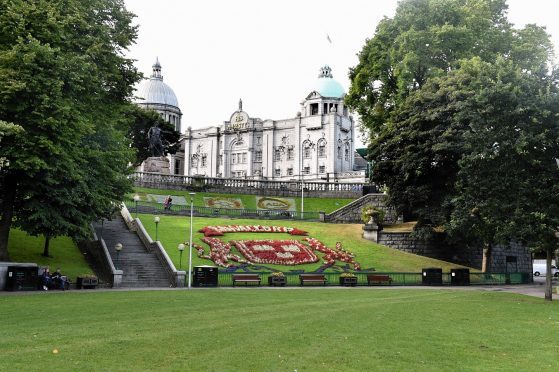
181	249
156	220
190	241
118	248
136	199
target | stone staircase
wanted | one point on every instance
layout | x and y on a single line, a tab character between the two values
140	267
351	213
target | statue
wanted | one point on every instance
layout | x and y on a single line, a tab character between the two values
155	143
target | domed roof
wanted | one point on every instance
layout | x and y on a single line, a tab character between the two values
326	86
155	91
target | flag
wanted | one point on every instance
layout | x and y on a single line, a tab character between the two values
328	38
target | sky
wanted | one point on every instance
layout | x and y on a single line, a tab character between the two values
268	53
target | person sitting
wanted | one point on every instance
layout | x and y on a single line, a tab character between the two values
46	280
58	280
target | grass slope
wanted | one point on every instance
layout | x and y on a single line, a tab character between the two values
283	330
65	254
311	204
174	230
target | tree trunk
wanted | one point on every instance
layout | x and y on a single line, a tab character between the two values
549	274
486	260
8	198
46	247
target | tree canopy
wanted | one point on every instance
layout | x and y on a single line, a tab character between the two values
462	113
65	82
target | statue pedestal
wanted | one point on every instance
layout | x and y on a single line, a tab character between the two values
371	231
157	164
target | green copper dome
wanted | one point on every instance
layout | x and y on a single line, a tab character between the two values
326	86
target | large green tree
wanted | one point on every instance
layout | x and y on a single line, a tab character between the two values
461	111
65	81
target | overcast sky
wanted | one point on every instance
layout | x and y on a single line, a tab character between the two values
268	53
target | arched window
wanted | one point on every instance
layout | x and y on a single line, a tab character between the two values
322	148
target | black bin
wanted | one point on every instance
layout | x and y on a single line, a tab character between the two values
22	278
432	276
460	276
205	276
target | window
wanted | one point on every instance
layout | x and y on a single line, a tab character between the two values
234	158
339	152
194	161
258	140
307	170
347	154
244	157
277	155
314	108
258	156
290	171
204	160
321	148
277	172
290	153
177	166
322	169
307	153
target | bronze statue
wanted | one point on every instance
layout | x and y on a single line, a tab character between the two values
155	143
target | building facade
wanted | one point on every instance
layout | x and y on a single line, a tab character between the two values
317	144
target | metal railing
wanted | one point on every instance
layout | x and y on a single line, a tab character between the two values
398	278
199	211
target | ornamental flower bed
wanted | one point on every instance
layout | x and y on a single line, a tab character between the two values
278	252
220	230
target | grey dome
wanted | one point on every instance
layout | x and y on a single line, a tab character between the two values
155	91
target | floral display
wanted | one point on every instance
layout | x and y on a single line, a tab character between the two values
278	252
220	230
333	255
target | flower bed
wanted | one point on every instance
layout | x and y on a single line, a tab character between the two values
278	252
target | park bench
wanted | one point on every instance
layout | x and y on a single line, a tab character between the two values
312	278
246	278
379	279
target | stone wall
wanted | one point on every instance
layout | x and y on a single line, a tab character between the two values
351	213
461	254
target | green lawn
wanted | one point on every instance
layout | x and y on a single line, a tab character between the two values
65	254
284	330
174	230
249	201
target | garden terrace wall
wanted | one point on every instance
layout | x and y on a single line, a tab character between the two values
460	254
248	186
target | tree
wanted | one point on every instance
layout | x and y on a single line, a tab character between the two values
140	121
65	81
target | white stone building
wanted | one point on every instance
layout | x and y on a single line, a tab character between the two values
317	144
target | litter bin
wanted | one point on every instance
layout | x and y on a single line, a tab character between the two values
22	278
460	276
432	276
205	276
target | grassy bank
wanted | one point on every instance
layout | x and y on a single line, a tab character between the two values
283	330
173	230
63	252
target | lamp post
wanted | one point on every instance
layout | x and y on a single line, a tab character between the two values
136	199
190	241
118	248
156	220
181	249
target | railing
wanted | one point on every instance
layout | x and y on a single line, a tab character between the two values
398	278
234	184
198	211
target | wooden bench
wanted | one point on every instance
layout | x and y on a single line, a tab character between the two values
379	279
246	278
312	278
